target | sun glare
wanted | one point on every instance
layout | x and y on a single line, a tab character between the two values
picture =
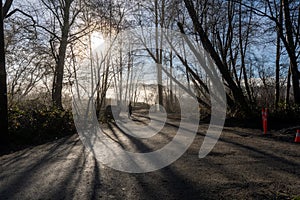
96	39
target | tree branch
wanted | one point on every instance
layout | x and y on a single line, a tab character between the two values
22	12
6	8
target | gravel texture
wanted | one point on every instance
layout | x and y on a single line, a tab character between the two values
243	165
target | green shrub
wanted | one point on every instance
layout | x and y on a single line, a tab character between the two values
31	125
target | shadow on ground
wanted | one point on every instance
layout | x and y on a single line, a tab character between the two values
243	165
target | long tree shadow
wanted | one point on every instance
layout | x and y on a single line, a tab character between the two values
279	164
247	147
58	170
175	184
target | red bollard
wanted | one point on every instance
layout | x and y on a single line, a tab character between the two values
264	114
297	138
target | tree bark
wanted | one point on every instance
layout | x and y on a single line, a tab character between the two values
3	82
59	69
277	73
288	88
291	51
277	70
243	49
158	55
171	81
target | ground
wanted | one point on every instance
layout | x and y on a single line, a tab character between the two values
245	164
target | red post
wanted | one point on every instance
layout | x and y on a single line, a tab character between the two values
264	114
297	138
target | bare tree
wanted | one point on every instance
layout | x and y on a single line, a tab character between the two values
65	14
287	30
3	76
208	46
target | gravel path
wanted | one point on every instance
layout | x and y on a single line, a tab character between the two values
243	165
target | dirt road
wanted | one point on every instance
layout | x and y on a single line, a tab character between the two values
243	165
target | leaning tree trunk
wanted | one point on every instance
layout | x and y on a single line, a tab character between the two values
236	91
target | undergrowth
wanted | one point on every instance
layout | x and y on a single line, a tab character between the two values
37	124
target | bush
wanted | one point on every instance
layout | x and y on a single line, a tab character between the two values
277	119
31	125
285	117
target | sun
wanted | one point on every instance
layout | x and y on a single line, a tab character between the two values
96	39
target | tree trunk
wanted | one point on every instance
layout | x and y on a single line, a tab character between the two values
171	81
291	51
121	80
236	91
59	69
3	87
127	78
288	88
158	56
243	49
277	70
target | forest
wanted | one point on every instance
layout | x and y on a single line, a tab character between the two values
47	46
149	99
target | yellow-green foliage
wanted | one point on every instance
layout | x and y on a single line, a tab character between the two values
28	125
